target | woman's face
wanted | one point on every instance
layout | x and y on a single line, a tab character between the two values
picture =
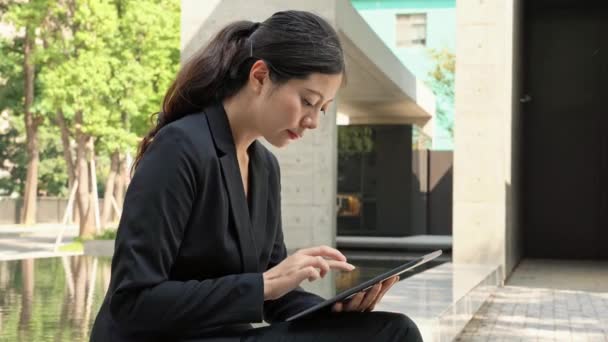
287	111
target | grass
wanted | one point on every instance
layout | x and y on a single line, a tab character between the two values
77	245
74	246
106	234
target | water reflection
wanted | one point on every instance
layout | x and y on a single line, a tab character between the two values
57	299
51	299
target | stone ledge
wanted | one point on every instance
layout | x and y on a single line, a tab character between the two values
99	248
442	300
412	243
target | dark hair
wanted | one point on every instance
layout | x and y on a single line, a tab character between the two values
293	44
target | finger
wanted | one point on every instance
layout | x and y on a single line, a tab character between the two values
321	264
304	261
370	297
337	307
324	251
315	274
309	273
340	265
378	298
389	283
354	303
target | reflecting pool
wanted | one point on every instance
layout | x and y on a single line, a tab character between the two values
57	299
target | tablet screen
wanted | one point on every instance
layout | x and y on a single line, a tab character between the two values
344	295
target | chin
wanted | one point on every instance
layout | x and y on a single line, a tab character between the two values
278	142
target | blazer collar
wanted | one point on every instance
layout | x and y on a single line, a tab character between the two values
220	128
224	141
249	226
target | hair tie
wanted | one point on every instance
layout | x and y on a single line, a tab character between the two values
254	28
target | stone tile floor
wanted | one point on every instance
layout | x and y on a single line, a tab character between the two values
546	300
527	314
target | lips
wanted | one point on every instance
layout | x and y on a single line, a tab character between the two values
293	135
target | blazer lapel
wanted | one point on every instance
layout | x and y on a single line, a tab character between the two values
224	142
258	178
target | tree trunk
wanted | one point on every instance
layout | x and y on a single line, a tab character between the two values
109	192
67	151
27	297
93	176
85	207
69	159
119	191
123	171
80	286
31	129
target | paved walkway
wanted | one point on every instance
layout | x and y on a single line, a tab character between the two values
546	300
23	242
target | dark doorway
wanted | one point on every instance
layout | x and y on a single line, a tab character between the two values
375	185
565	130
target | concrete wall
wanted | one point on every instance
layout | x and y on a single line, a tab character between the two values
49	210
514	234
309	166
485	188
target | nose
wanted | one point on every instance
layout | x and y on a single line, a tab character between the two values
310	121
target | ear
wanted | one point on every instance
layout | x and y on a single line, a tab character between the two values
258	75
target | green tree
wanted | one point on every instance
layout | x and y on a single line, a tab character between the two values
26	17
441	81
101	69
12	161
76	89
115	62
354	139
145	60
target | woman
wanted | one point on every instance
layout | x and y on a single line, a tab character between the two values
199	253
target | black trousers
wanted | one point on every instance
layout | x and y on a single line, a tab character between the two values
346	326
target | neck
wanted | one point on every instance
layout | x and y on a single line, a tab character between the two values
241	122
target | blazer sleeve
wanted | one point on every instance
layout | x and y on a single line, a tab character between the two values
296	300
156	211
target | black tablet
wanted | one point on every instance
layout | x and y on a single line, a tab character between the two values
368	284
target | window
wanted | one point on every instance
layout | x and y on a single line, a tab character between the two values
411	30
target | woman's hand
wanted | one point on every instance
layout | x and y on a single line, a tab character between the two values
367	300
309	263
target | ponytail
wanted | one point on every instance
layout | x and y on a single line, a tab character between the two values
294	44
210	75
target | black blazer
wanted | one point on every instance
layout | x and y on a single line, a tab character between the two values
190	249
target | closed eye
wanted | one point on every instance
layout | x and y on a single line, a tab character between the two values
306	103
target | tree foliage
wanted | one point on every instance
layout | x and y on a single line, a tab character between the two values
441	81
111	60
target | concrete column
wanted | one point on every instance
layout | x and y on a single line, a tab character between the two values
486	112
